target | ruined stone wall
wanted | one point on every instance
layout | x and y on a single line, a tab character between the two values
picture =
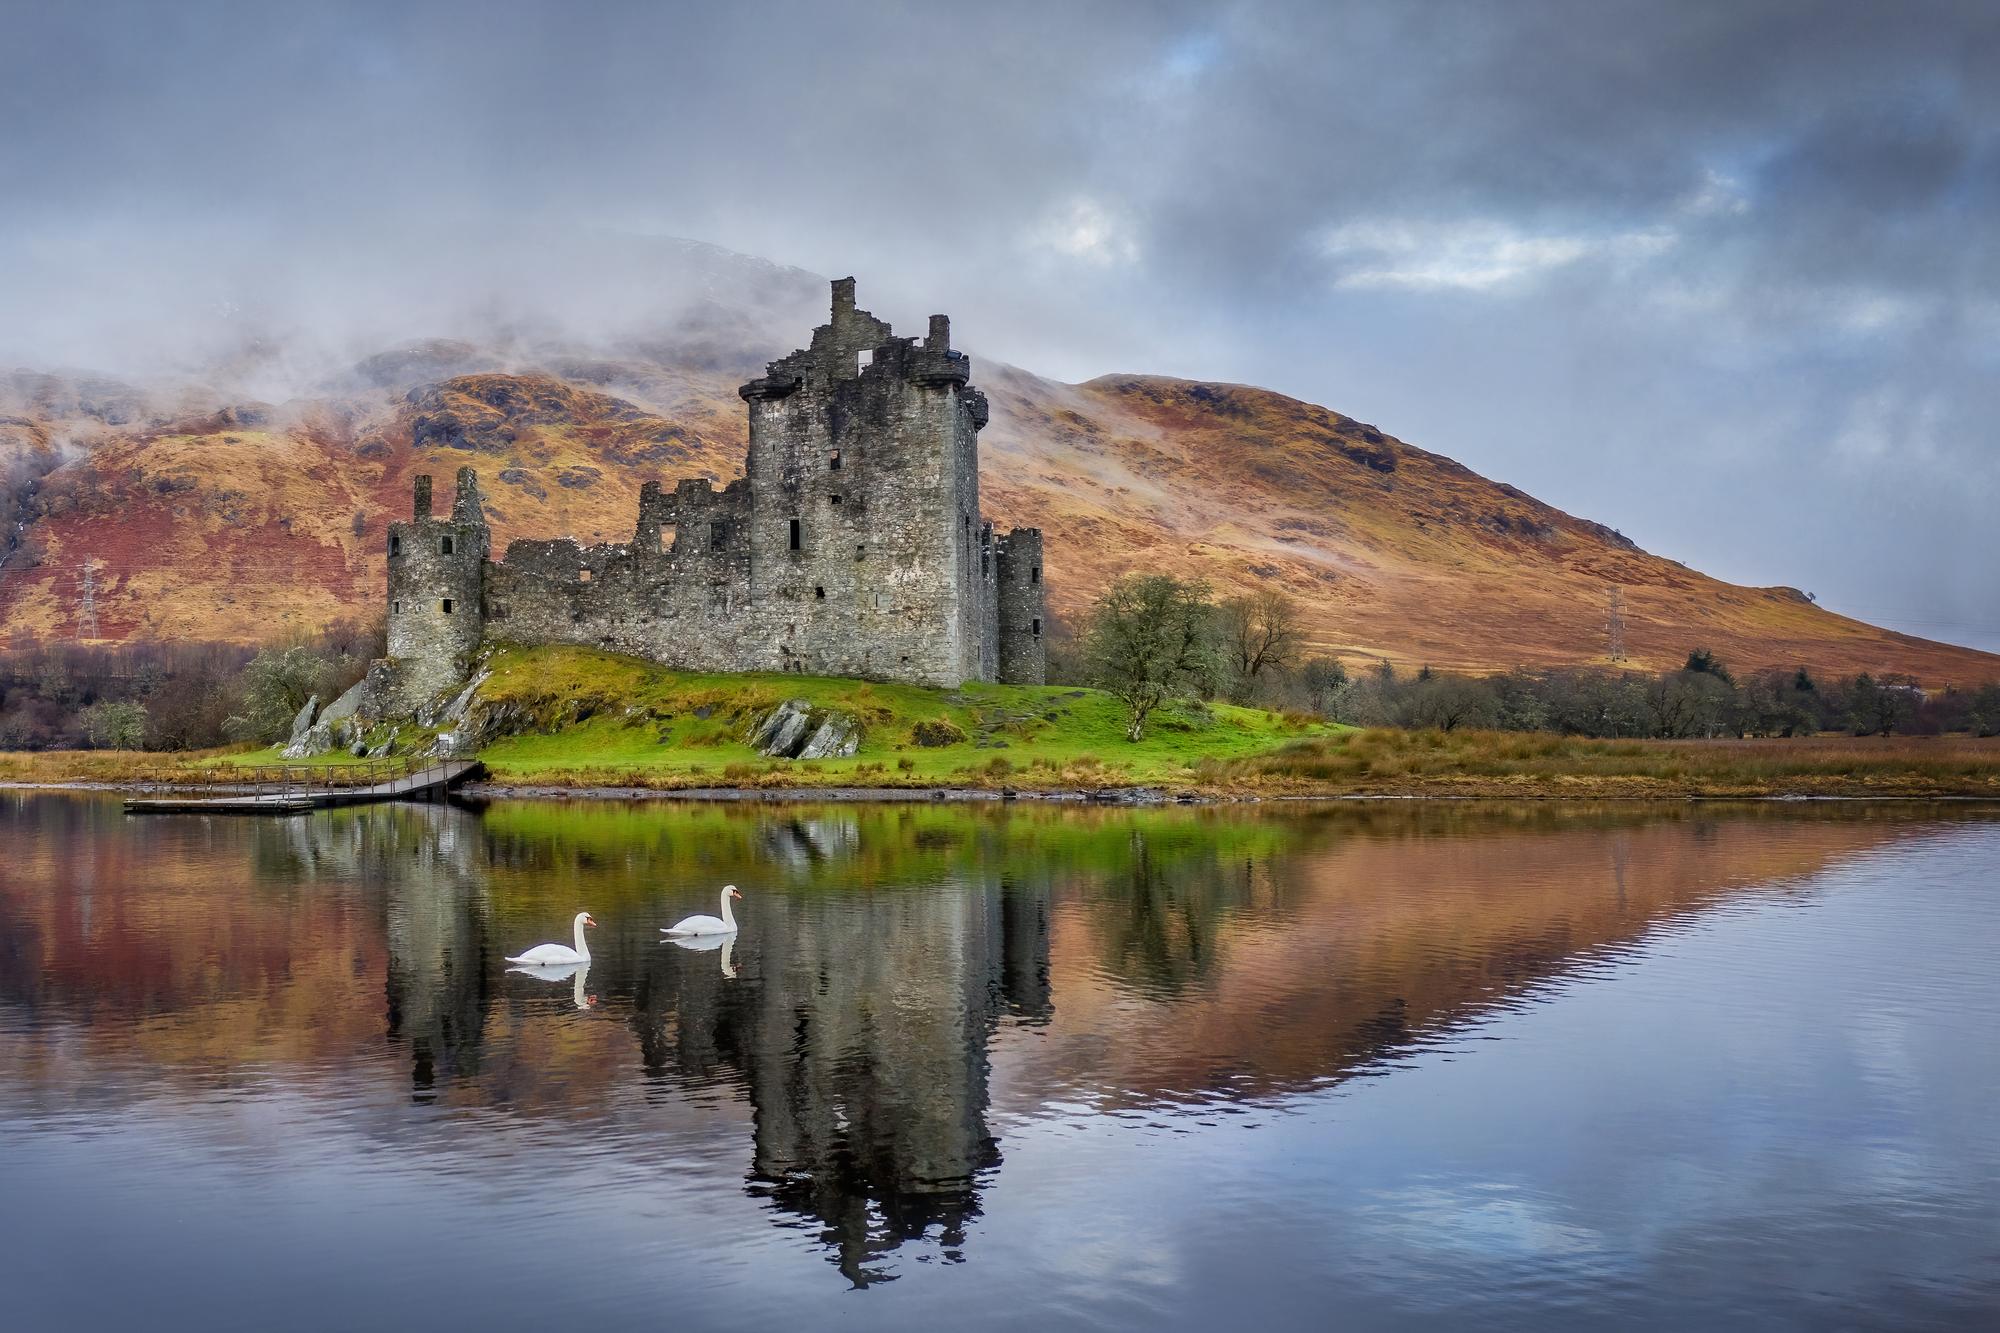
1022	637
854	545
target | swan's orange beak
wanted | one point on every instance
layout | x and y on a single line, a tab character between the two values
590	921
735	894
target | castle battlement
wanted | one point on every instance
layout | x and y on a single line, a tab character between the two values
853	545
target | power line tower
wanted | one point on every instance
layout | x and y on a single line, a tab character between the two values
86	602
1614	624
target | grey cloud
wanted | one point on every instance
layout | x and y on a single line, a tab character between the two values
1729	267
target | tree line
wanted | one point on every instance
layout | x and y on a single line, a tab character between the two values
159	696
1157	641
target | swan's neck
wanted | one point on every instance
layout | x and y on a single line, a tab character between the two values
728	917
581	946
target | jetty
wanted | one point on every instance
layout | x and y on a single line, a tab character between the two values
285	789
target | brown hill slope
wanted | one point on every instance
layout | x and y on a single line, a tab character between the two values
244	521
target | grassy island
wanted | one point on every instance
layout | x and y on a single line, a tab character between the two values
575	718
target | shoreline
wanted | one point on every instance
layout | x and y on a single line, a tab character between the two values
486	791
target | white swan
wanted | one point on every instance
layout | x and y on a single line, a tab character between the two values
708	925
551	955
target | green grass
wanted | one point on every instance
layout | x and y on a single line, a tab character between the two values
588	717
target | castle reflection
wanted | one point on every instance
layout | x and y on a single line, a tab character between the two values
900	971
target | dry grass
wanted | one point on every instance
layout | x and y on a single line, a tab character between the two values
1488	763
111	766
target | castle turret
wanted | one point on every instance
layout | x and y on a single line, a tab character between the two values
436	573
1023	610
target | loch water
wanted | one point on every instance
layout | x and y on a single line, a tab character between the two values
1360	1066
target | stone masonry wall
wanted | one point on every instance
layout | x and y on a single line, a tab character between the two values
853	546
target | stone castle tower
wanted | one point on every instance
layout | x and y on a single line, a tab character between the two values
852	546
436	578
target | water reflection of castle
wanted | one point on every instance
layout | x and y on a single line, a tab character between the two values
888	950
860	1038
859	1034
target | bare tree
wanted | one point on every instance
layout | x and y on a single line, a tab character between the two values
1326	685
1449	702
1259	634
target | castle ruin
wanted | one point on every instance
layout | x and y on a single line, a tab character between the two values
852	545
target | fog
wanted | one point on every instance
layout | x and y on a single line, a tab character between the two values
1724	276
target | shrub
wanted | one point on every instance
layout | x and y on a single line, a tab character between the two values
935	732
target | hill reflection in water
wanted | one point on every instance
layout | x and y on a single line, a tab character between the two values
906	976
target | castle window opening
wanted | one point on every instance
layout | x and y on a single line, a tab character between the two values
583	575
861	552
395	544
819	594
834	498
445	548
666	538
1038	627
395	608
795	534
718	535
833	461
1035	574
446	604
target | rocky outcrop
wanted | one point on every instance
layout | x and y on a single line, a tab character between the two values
304	720
797	730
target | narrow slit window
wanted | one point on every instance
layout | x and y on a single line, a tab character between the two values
395	544
446	604
1038	627
833	461
395	608
819	594
795	534
861	552
718	535
445	548
666	538
1035	574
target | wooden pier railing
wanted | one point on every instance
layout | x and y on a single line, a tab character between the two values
280	787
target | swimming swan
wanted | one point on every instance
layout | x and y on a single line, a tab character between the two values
548	955
708	925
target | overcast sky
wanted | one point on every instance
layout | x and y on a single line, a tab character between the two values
1723	275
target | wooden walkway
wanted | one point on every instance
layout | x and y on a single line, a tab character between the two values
292	789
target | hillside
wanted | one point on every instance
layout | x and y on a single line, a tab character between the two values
209	517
